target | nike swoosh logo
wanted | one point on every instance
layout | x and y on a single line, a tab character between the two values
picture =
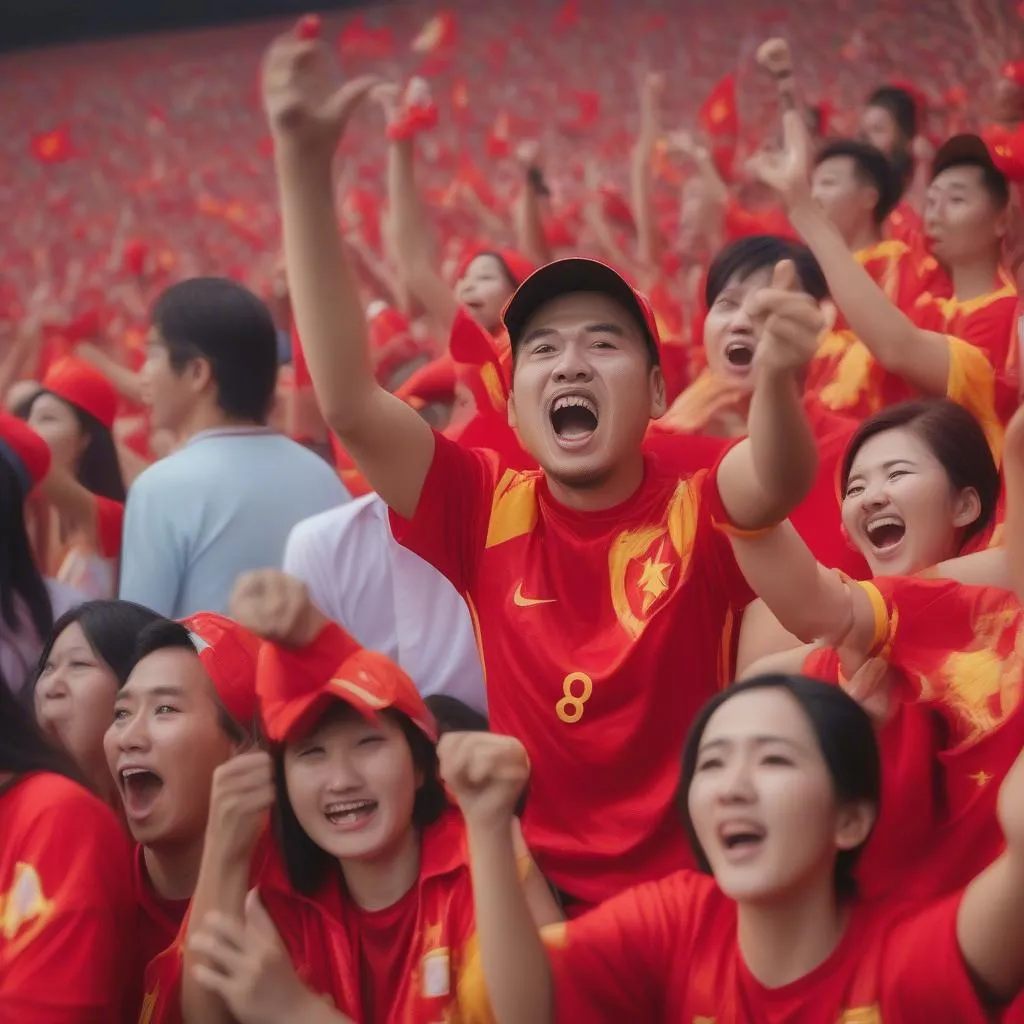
528	602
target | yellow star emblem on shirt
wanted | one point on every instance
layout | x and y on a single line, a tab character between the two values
654	578
982	778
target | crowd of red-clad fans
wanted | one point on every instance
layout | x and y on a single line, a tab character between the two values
516	514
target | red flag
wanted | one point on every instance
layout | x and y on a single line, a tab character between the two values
568	16
498	142
437	35
460	101
52	147
720	119
719	116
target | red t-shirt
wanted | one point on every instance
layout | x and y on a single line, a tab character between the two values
409	975
66	909
669	952
158	922
599	633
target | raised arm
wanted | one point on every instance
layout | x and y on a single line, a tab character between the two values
920	357
648	240
487	773
990	921
763	478
390	443
529	222
1013	475
412	248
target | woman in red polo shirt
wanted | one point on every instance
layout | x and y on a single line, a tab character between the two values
66	905
74	413
364	893
780	787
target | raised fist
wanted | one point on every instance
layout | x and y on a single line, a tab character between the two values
241	794
790	321
303	104
775	58
486	774
275	606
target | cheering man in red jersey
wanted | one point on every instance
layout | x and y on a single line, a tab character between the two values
601	589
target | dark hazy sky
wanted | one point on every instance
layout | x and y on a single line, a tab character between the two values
39	22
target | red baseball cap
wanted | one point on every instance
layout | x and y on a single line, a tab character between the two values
229	654
83	386
578	275
27	453
296	685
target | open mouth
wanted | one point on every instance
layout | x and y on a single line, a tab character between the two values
741	839
885	532
349	813
574	418
739	353
140	787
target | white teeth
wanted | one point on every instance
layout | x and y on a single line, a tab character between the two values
128	772
348	807
885	521
569	401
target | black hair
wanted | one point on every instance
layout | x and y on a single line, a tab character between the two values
99	469
308	865
901	107
872	169
111	629
20	578
23	747
454	715
746	256
23	408
993	180
166	634
953	436
846	738
218	320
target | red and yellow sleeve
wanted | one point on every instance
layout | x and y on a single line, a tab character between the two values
973	383
449	528
162	1002
66	908
924	975
956	646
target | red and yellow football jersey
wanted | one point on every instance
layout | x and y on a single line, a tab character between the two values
600	633
668	951
67	914
959	651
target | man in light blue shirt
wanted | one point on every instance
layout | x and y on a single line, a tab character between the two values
225	502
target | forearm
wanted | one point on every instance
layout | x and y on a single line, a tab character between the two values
809	601
126	382
647	239
782	452
409	237
990	926
530	226
221	887
921	359
988	568
1013	529
325	298
514	960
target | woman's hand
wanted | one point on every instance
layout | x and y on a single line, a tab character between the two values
248	966
241	794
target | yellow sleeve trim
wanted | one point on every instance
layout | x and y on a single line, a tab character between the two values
734	531
880	610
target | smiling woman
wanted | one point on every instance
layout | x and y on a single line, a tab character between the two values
86	660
